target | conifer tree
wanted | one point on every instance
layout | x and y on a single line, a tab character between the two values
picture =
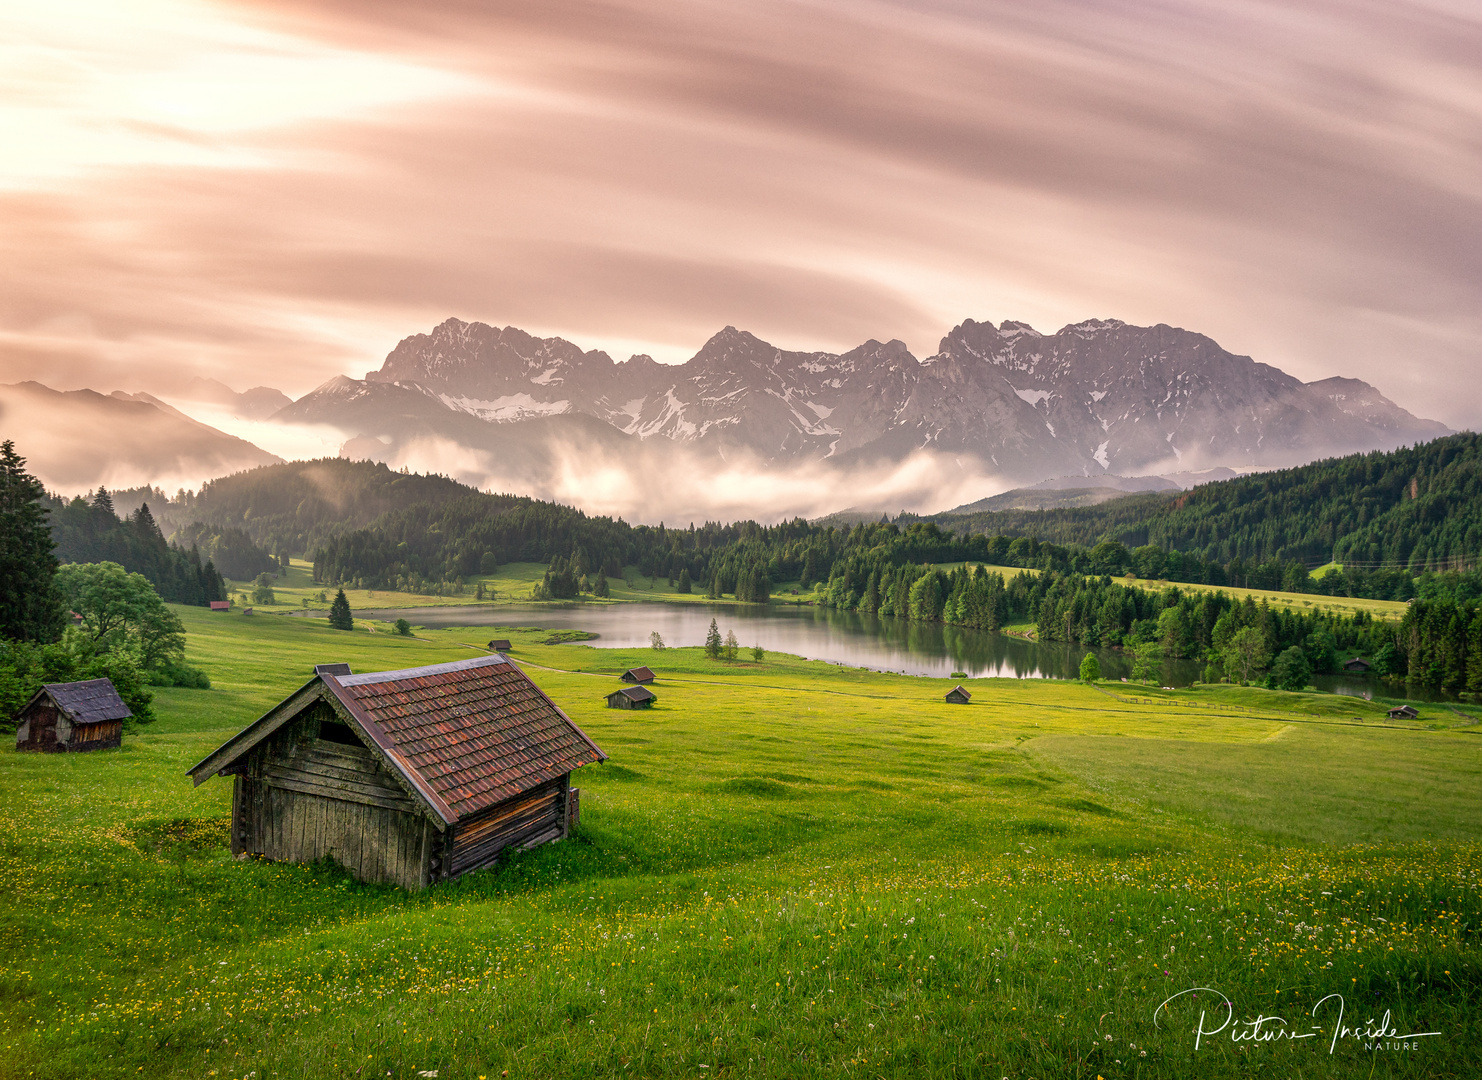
340	617
712	641
30	608
684	580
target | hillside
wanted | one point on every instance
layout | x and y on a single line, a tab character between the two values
77	440
1419	507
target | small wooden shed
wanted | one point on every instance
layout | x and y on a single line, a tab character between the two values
1356	666
631	697
500	644
410	777
221	605
958	695
640	675
1404	712
63	717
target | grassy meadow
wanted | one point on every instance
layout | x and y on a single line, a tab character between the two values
786	868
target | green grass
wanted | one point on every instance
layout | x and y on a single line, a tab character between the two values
1383	609
785	869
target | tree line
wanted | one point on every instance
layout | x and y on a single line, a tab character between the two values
1416	508
85	619
90	531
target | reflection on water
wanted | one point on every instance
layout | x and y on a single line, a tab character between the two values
842	637
847	637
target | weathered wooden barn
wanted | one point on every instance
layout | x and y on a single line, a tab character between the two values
1356	666
1403	712
631	697
411	777
958	696
639	675
70	717
500	644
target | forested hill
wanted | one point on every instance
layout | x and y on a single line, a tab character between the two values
1418	507
293	508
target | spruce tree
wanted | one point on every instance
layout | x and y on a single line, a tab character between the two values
340	617
684	581
30	608
712	641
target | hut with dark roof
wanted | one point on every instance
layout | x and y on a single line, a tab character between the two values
958	695
1356	666
631	697
639	675
500	644
410	777
73	716
1403	712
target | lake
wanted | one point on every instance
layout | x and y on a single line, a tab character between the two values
839	637
845	637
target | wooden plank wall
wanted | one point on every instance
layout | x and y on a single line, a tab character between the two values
531	818
307	799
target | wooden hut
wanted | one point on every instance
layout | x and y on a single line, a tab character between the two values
958	696
74	716
500	644
640	675
1356	666
631	697
411	777
1404	712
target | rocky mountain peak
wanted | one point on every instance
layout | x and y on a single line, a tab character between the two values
1096	396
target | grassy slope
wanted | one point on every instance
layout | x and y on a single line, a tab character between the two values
788	868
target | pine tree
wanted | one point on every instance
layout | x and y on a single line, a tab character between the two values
340	617
732	644
712	641
30	608
600	589
684	581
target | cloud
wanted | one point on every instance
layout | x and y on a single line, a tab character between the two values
677	484
281	192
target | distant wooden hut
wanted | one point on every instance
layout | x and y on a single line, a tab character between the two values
221	605
410	777
641	675
1404	712
62	717
1357	666
500	644
631	697
958	695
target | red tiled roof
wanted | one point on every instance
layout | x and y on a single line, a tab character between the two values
476	731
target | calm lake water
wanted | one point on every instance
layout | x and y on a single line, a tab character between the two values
842	637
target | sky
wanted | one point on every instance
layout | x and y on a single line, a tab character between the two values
276	193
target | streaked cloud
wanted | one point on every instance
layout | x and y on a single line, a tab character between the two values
275	194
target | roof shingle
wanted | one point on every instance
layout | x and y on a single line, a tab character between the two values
90	702
476	731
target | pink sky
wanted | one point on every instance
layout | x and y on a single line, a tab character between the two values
274	194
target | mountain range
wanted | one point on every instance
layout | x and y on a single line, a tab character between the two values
75	440
745	428
1093	398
